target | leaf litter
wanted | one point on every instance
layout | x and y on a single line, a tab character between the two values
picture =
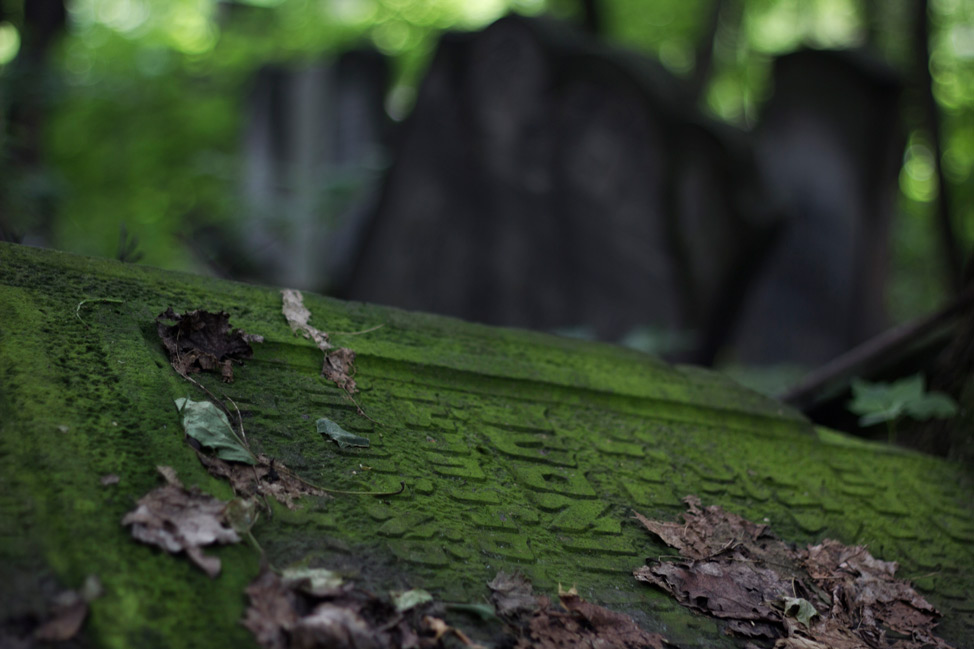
538	624
268	477
285	614
337	365
177	519
200	341
827	596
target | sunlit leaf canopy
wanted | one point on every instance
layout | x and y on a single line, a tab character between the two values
146	132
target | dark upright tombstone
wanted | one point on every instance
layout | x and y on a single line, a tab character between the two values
830	147
313	150
534	186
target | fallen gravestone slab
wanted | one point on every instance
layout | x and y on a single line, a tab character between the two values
520	452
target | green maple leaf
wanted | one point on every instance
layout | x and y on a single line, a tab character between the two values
879	402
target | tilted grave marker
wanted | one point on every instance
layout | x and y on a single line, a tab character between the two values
519	451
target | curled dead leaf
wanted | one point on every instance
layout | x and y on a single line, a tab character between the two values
180	520
297	316
338	367
199	341
512	595
70	609
704	532
273	610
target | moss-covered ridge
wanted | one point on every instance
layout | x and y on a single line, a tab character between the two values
519	450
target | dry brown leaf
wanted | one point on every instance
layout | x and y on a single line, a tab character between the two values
704	532
823	634
297	316
338	367
181	520
535	623
868	584
330	625
739	590
65	621
582	624
337	363
610	628
512	595
440	629
273	610
200	341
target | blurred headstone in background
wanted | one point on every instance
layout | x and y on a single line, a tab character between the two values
314	150
830	146
544	181
28	189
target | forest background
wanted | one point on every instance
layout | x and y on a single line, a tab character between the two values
132	115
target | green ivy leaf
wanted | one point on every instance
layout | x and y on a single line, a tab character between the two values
207	424
314	581
800	609
879	402
933	405
410	599
339	435
484	611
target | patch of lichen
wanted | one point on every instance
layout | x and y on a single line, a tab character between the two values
519	451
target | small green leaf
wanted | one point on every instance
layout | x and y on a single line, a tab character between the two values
484	611
410	599
879	416
800	609
339	435
933	405
241	513
207	424
314	581
879	402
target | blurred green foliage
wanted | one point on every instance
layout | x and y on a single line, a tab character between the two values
145	123
889	403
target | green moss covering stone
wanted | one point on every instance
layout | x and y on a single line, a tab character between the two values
520	451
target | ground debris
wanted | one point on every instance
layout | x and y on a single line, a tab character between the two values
512	595
337	365
182	520
705	532
284	614
537	624
828	596
267	477
200	341
297	316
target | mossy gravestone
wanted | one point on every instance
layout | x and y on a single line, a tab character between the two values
519	451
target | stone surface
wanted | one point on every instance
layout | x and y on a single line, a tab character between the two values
519	451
